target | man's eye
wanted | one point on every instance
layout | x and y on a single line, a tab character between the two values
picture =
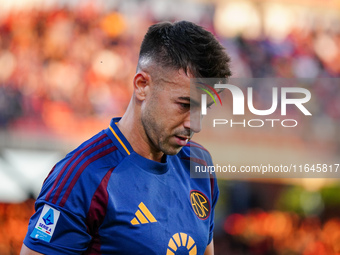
210	105
185	106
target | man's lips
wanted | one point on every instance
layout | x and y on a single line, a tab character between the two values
182	140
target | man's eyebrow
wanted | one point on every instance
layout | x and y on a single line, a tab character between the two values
193	102
190	100
184	98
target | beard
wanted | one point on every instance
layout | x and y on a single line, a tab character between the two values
159	136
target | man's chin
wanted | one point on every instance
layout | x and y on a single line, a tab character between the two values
172	151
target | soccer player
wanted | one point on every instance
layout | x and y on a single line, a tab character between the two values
128	190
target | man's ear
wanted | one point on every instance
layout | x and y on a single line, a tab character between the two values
141	83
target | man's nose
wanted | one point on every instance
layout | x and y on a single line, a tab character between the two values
194	121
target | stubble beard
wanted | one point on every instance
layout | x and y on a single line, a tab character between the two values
156	136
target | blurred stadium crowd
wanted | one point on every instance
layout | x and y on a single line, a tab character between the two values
289	220
63	70
277	232
13	225
66	72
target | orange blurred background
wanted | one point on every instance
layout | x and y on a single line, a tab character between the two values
66	69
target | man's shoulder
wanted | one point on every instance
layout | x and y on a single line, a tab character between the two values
86	166
94	149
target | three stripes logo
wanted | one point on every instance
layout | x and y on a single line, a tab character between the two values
143	215
181	242
204	96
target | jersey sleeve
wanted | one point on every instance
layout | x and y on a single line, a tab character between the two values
55	230
72	202
215	194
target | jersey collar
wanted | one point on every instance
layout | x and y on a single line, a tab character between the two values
124	146
122	143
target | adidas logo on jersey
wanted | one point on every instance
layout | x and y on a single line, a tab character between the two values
143	215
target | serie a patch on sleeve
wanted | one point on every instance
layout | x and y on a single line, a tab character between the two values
46	224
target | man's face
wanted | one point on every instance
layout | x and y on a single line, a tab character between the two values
166	111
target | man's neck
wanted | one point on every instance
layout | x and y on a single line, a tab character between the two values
131	127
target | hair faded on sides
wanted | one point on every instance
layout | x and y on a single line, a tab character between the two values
185	45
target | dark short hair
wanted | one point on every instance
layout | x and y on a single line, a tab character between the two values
185	45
